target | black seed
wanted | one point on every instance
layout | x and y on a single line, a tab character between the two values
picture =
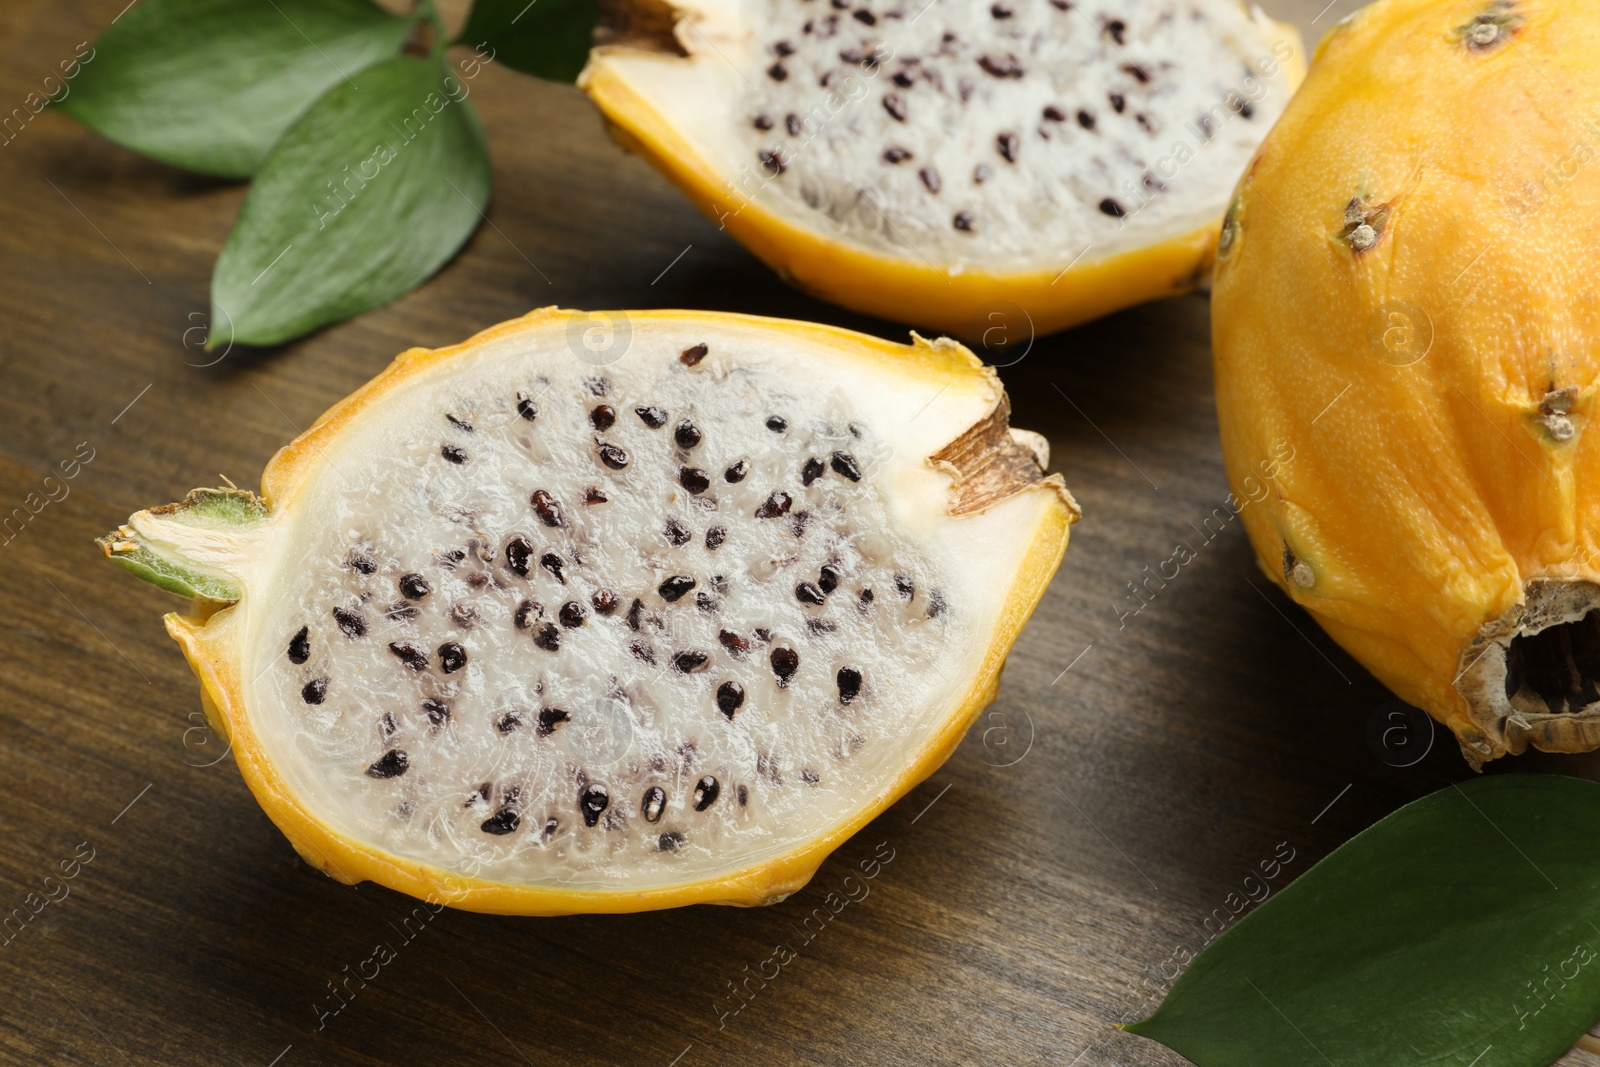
464	616
414	586
652	417
361	564
936	605
905	586
687	434
1006	66
930	178
672	840
762	122
1110	207
1119	103
791	122
849	680
300	646
903	79
552	563
1137	73
690	661
592	802
461	424
694	479
733	642
777	72
634	611
982	173
705	602
895	105
962	221
802	519
547	637
743	794
777	423
1054	114
783	48
815	626
677	533
715	536
411	654
519	556
896	154
551	825
865	17
762	634
695	353
736	472
436	710
392	764
526	407
653	804
600	385
603	417
810	777
591	495
705	793
844	464
453	454
1117	29
612	456
477	579
527	612
511	720
785	661
828	578
1247	110
1086	120
545	506
605	602
501	822
773	161
315	691
572	615
350	622
642	651
673	589
776	504
549	719
1001	11
1009	145
452	657
865	596
451	558
730	697
400	611
808	593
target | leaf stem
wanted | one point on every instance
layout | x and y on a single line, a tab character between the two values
430	9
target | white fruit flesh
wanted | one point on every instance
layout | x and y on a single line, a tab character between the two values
791	762
1000	136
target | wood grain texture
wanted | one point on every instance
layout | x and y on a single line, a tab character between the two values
1135	769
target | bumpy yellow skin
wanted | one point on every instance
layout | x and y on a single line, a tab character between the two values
1380	393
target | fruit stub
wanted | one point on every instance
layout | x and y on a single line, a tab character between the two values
554	621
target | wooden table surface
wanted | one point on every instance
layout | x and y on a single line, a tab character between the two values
1133	772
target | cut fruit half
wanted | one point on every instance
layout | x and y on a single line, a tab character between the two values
1026	164
613	611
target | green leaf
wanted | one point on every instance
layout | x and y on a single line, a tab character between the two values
546	38
362	199
210	84
1464	929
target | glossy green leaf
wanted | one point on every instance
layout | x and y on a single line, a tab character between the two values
546	38
362	199
1462	930
209	85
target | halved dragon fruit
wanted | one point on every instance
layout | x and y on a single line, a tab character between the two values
1017	163
538	624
